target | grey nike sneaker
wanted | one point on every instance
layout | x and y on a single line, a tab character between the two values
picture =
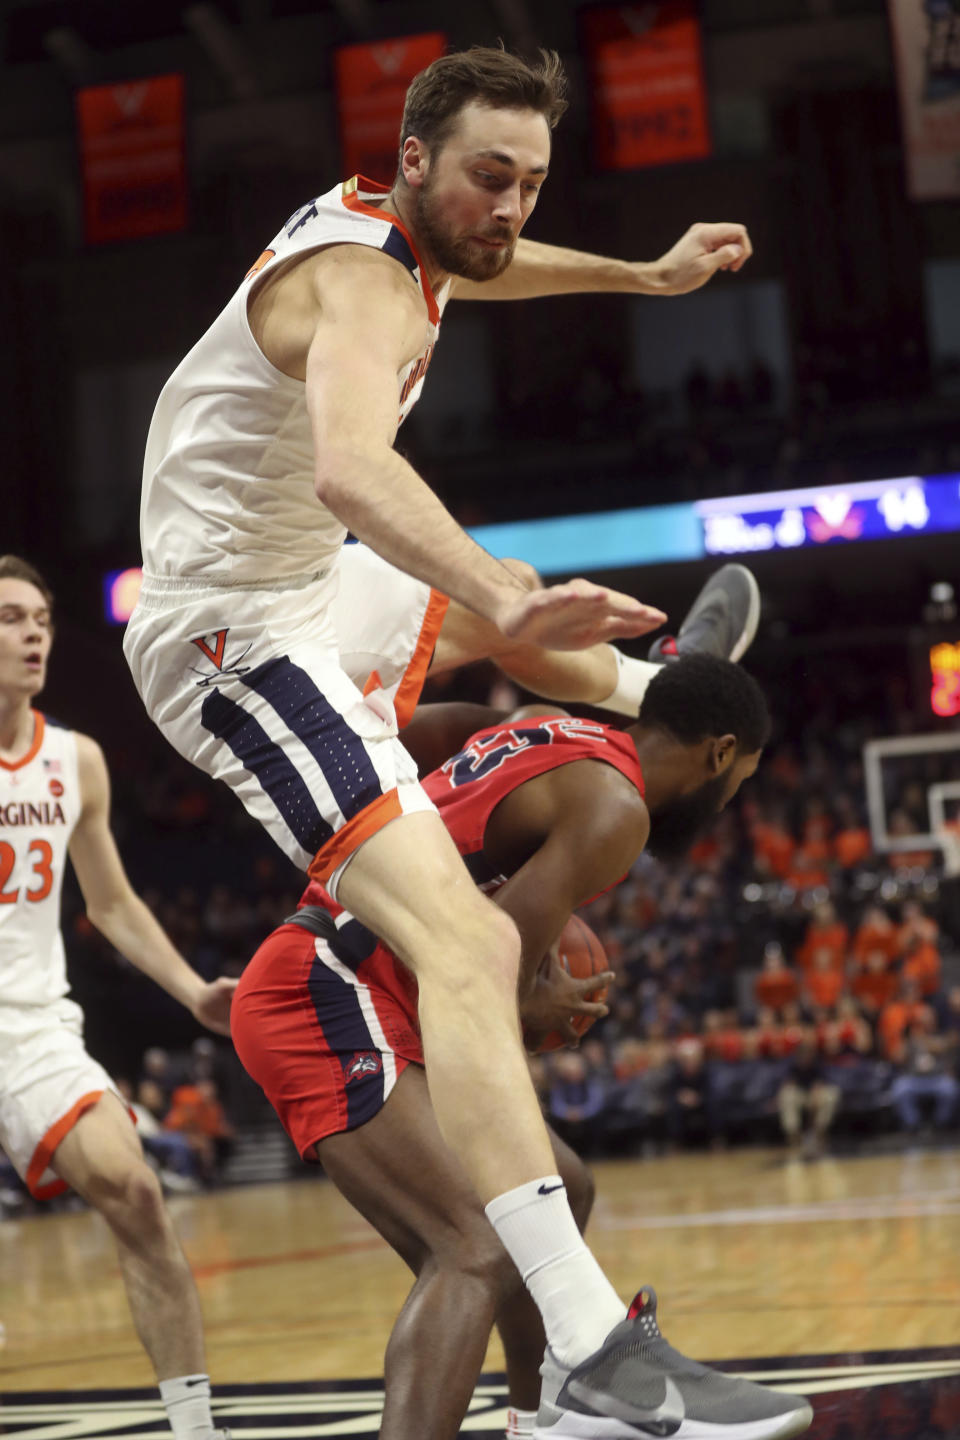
636	1386
721	621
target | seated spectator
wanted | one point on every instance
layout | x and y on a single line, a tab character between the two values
896	1018
926	1075
722	1036
777	984
806	1090
773	846
915	925
808	871
921	964
173	1154
855	1032
824	983
196	1114
824	932
158	1067
575	1100
874	983
689	1116
851	842
876	931
792	1032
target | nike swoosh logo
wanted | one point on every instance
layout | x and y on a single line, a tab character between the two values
548	1189
664	1420
200	1380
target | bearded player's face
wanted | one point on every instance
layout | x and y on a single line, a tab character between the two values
478	190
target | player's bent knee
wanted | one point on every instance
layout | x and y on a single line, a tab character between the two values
129	1194
525	573
481	1257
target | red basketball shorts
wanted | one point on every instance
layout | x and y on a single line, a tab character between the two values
325	1035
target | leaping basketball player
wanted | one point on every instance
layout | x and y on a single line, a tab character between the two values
271	439
62	1122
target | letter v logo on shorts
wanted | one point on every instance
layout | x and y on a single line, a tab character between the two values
215	653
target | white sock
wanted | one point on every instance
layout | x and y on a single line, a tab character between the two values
578	1304
633	677
520	1424
187	1400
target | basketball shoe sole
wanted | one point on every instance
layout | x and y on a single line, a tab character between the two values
722	621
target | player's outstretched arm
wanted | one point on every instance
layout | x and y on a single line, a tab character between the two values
119	913
539	269
370	324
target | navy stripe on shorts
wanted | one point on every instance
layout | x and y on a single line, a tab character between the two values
338	750
345	1030
276	773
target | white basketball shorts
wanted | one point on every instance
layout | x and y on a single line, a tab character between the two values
248	683
47	1081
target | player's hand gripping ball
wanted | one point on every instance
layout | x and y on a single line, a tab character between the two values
571	988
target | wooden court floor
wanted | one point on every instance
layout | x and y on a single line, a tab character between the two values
751	1255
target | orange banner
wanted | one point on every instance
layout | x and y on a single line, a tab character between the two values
132	153
648	97
372	82
926	43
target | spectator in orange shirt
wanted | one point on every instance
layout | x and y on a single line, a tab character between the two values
776	985
922	966
916	925
773	846
874	983
896	1017
854	1030
825	932
808	871
824	983
196	1113
851	842
722	1036
876	931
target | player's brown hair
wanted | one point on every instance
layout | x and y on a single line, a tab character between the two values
13	568
488	74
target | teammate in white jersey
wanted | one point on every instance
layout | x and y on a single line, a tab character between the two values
273	437
62	1122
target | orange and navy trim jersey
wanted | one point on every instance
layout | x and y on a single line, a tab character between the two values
467	788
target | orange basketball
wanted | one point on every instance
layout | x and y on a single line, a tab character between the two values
581	954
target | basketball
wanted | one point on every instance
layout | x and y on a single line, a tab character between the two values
580	953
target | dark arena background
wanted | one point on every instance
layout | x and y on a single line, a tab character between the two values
800	416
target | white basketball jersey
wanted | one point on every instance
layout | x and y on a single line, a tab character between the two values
39	806
228	476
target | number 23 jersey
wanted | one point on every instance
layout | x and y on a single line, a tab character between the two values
39	806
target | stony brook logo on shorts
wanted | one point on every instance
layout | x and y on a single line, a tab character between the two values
365	1062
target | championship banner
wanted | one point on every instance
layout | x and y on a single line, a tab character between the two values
132	157
372	82
648	97
926	42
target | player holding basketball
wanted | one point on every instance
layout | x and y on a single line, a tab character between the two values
274	436
62	1122
549	811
